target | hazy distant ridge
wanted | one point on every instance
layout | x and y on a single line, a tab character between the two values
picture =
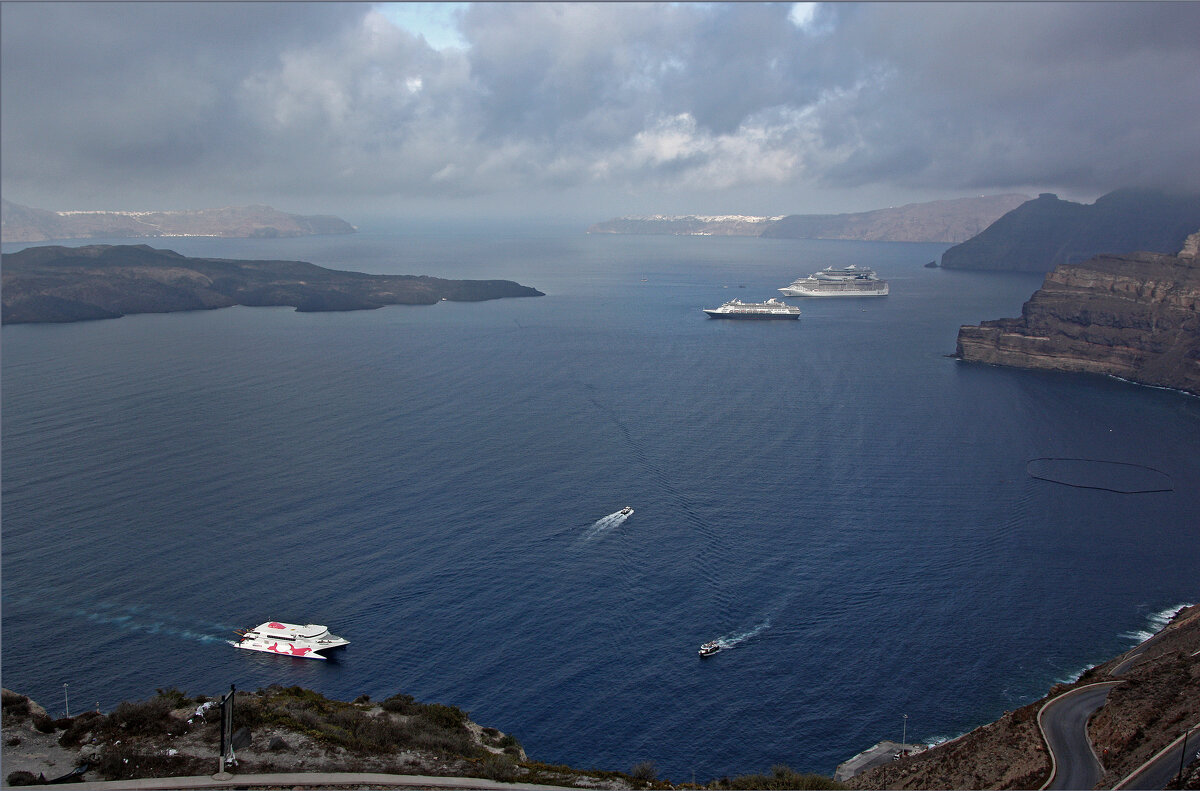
936	221
24	224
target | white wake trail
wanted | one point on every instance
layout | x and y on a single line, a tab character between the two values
730	640
605	523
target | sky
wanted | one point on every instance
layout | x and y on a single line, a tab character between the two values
590	111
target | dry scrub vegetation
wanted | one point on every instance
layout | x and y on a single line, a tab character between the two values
291	729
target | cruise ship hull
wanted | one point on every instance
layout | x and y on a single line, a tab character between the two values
716	314
818	288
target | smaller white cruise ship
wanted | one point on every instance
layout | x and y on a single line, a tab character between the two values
710	648
771	309
842	281
289	639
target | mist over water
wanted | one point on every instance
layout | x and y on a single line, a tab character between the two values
833	497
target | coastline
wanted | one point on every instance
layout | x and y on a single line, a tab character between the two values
1007	753
1134	723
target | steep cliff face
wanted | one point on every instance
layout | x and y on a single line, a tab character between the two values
1135	316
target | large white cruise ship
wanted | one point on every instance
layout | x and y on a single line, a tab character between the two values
845	281
771	309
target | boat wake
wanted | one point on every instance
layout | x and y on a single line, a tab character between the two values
730	640
606	523
135	619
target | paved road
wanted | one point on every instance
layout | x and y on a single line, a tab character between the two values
316	780
1162	768
1064	724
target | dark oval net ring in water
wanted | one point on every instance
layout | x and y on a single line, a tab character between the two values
1108	476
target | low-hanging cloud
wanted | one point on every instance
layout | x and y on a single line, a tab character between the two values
316	106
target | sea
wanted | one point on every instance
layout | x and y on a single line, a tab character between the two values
849	510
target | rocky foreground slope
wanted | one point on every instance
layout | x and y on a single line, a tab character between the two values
296	730
1158	699
62	284
1135	316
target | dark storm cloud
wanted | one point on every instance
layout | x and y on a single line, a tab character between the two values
312	105
1083	95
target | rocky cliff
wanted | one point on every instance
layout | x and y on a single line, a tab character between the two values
1135	316
1041	234
24	224
62	284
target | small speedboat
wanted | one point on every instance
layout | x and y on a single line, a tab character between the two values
289	639
708	649
626	511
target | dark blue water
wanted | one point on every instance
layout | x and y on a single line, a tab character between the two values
835	497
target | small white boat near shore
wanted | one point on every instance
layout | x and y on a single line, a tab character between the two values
289	639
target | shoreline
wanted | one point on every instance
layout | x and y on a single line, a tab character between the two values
41	753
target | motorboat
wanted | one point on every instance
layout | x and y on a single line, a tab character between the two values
626	511
710	648
289	639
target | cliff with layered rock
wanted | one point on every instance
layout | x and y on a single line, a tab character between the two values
1134	316
1046	232
24	224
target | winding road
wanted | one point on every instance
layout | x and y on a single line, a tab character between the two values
1064	726
1162	768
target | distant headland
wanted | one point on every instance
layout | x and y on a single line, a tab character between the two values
936	221
24	224
64	284
1046	232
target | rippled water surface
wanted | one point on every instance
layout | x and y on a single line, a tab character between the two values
846	508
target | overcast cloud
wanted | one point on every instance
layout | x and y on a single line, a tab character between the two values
592	109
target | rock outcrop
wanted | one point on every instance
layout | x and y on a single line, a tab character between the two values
62	284
1046	232
1135	316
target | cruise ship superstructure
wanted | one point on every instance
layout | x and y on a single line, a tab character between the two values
844	281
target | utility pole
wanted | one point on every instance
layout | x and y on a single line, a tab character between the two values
1183	751
66	703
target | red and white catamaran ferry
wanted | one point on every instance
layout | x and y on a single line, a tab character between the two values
289	639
